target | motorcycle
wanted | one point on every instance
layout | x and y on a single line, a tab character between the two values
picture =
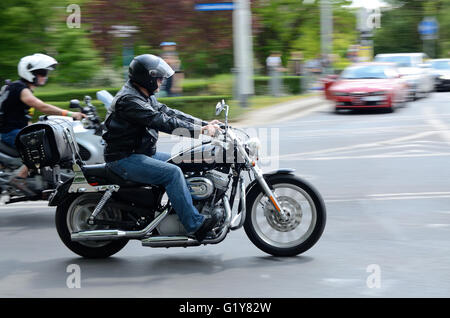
98	212
88	133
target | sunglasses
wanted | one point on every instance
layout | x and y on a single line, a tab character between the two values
41	72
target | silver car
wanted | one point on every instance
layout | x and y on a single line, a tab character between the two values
414	69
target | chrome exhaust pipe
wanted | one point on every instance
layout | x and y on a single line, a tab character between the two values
98	235
170	241
107	235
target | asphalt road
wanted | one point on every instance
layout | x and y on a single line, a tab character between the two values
385	181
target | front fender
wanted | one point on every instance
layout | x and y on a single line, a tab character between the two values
267	176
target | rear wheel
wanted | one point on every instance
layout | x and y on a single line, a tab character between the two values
72	216
305	222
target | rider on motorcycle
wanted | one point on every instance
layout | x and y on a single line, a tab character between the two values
18	98
132	126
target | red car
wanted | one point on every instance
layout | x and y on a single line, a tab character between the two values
367	85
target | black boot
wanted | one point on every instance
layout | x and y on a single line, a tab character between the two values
208	224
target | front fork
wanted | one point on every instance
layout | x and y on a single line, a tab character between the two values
262	182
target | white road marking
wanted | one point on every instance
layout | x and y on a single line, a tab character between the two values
24	205
383	156
437	225
390	196
441	127
408	194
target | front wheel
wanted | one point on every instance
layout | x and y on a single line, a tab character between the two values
293	235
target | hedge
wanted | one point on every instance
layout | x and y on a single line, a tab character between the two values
68	94
291	85
198	106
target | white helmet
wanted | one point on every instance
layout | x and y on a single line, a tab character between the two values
35	62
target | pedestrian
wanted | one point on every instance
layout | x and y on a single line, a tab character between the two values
297	68
274	67
172	85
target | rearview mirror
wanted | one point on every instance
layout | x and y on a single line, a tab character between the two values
74	103
219	107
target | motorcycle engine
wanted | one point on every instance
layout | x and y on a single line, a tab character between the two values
202	189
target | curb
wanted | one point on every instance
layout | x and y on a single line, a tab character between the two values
280	112
277	112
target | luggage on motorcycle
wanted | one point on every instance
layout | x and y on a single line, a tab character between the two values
47	143
4	93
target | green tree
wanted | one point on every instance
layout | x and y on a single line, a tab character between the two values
399	27
30	26
398	32
292	25
443	15
22	31
78	61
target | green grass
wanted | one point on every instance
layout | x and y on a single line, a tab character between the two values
199	106
260	102
203	106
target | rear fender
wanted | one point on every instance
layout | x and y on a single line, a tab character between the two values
61	193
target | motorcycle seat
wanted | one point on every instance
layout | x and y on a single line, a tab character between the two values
99	173
10	151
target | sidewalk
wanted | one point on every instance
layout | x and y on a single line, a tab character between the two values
280	112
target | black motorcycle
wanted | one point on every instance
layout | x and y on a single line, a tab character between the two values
98	212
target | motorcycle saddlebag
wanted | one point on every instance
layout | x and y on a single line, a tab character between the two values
46	143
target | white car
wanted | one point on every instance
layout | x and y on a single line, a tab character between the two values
414	69
441	71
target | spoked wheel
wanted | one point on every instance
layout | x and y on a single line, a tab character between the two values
298	230
72	216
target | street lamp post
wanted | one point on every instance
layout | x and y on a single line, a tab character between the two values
326	32
242	44
243	50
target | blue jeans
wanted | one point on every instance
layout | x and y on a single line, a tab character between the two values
9	137
154	170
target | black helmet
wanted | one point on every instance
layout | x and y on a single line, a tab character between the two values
146	69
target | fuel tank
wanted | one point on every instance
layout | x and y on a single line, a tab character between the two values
200	158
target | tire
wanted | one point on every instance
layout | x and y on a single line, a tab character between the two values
89	249
391	109
306	241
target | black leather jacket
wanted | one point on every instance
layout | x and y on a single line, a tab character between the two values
134	120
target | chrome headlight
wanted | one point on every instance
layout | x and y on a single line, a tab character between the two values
253	145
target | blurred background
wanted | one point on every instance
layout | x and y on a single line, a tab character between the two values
383	174
94	41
